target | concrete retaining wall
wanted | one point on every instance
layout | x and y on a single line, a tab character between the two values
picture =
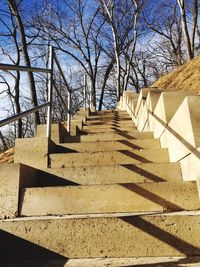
174	117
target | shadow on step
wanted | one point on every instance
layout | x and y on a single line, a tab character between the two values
14	249
111	119
135	156
128	144
118	130
144	173
126	135
61	149
173	241
115	124
72	139
115	130
32	177
167	205
118	119
48	179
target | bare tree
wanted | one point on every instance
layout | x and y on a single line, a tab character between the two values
79	41
109	11
122	17
14	7
14	95
189	40
131	47
168	39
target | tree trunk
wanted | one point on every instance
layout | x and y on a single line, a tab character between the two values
108	70
31	81
194	24
130	58
5	146
118	76
17	105
185	29
93	93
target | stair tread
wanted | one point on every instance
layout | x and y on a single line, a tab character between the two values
109	145
113	157
107	137
107	131
105	215
130	236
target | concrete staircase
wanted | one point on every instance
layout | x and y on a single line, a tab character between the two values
106	196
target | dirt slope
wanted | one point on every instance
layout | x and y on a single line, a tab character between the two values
186	77
7	156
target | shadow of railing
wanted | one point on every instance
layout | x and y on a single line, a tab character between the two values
135	156
126	135
166	204
146	174
183	247
129	144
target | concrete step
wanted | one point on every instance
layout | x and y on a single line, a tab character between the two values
108	137
109	112
108	130
130	236
135	198
110	174
105	262
119	123
108	119
91	124
109	146
110	157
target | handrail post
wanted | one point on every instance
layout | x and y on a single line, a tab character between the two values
90	88
85	90
50	91
69	115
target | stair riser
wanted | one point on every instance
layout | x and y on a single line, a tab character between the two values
110	117
109	112
105	262
111	125
134	198
97	123
110	137
108	130
104	237
148	172
104	158
111	146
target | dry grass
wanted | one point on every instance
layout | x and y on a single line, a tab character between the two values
7	156
186	77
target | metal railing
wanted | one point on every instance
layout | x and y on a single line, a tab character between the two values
53	60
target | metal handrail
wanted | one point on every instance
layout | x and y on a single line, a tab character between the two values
22	114
51	84
22	68
69	106
62	99
61	72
